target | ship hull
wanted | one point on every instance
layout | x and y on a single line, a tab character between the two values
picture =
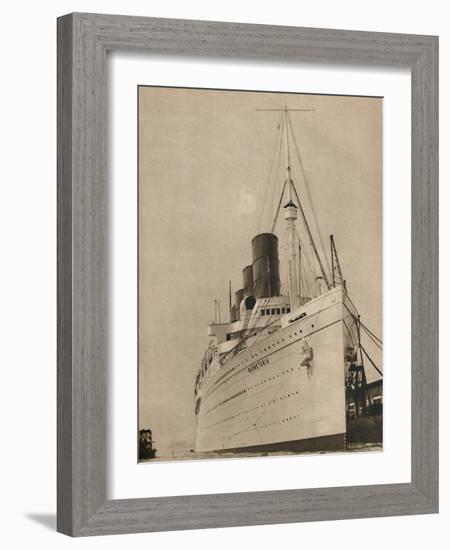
268	398
316	444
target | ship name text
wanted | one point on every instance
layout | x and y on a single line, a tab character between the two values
258	365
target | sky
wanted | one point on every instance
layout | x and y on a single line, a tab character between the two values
204	192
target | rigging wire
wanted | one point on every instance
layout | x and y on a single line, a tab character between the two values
277	169
379	346
370	359
276	155
357	319
316	253
313	274
374	336
277	212
354	342
245	337
302	169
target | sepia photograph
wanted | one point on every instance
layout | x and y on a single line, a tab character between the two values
260	291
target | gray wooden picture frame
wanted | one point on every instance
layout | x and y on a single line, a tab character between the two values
83	41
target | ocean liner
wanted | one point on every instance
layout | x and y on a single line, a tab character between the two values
276	377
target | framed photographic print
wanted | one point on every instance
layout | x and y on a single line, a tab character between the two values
281	367
247	274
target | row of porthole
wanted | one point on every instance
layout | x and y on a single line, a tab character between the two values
287	371
236	415
258	353
248	388
282	421
268	348
281	398
228	399
237	366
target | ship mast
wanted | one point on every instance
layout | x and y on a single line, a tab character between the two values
290	216
291	210
288	155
